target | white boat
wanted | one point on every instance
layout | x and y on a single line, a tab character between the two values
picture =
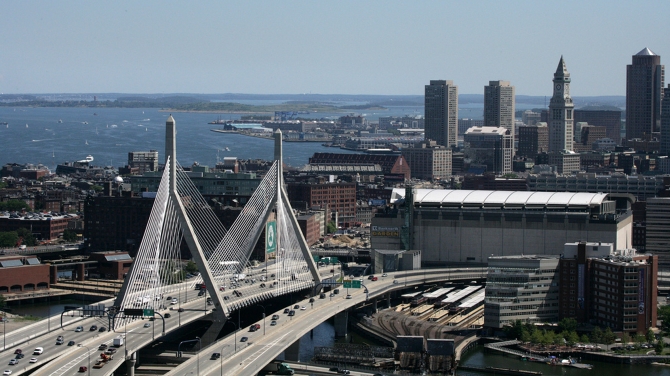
60	120
88	159
227	148
26	125
84	122
86	142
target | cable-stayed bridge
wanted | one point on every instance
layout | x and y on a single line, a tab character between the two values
180	212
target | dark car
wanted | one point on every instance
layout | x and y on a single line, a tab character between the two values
201	293
215	356
275	317
103	329
94	328
19	356
71	343
311	300
18	351
297	306
180	310
102	346
167	315
322	295
286	310
291	313
244	339
83	369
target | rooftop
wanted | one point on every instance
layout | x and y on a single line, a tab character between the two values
645	52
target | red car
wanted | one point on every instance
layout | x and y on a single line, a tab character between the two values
374	279
83	369
17	351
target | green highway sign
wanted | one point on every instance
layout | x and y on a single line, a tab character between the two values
346	284
148	312
271	237
351	284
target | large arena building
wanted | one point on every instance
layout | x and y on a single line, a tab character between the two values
468	226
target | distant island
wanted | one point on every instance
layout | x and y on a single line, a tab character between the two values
191	104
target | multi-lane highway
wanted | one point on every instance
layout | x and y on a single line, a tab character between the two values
261	347
71	358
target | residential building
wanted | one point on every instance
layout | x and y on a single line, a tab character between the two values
42	226
340	198
644	84
657	238
521	287
441	112
217	183
533	140
428	161
561	111
499	105
490	146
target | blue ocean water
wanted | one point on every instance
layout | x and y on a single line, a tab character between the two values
35	135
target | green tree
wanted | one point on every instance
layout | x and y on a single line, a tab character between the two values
597	335
608	336
572	338
567	325
625	338
639	338
651	337
191	267
536	337
9	239
14	205
525	336
331	227
584	338
27	237
69	235
660	346
548	337
3	301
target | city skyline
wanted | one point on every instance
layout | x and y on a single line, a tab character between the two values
293	47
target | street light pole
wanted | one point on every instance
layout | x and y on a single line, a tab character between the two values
198	356
263	317
235	334
88	351
221	358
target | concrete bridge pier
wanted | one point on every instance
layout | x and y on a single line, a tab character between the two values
130	364
341	323
292	353
374	306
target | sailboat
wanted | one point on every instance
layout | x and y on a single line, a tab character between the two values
86	142
96	130
53	154
26	125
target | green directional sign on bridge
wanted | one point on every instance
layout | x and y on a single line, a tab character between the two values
148	312
351	284
346	284
270	237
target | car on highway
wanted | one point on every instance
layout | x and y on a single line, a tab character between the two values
19	356
180	310
291	313
167	315
303	308
13	362
7	372
275	317
18	351
71	343
311	300
331	294
33	360
111	350
215	356
60	341
374	279
93	328
146	324
286	310
79	329
174	301
395	281
244	339
297	306
344	372
103	329
273	323
103	346
83	369
385	275
38	351
348	296
169	298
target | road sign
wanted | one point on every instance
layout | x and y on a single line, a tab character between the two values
346	284
271	237
148	312
355	284
133	312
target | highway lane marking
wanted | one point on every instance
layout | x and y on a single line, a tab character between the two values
66	367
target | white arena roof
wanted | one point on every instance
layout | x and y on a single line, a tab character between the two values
452	198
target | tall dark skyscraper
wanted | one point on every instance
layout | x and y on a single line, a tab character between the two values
665	123
644	85
441	110
561	120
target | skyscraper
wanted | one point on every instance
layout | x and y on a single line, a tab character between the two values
561	111
441	106
665	123
644	85
499	105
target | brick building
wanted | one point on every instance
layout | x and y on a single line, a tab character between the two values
310	227
339	197
22	273
43	226
112	265
391	164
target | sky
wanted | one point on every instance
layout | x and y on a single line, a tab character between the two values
327	47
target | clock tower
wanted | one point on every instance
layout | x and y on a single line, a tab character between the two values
561	112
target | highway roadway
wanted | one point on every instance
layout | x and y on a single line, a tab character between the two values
69	359
263	346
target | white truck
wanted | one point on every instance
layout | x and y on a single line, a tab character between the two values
239	277
118	342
